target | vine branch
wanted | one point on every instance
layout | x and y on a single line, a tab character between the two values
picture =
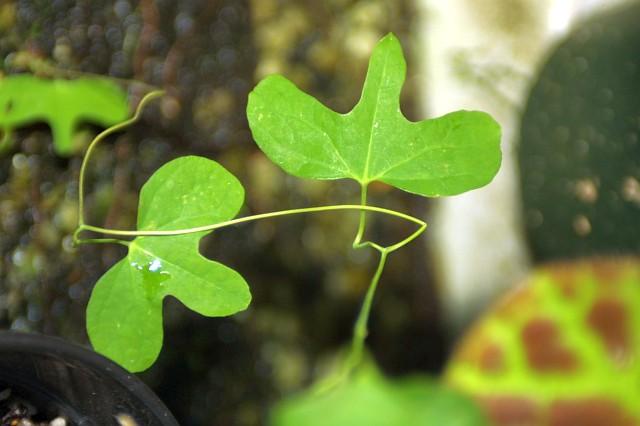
211	227
360	330
100	137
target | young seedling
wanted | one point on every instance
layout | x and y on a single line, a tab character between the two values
190	197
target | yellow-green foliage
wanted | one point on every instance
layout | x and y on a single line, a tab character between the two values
62	104
564	347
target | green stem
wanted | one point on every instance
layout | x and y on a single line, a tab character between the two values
360	330
113	129
78	241
357	242
211	227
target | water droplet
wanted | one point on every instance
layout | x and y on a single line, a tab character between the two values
153	276
155	265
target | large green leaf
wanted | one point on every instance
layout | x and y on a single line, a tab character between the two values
370	399
124	316
443	156
63	104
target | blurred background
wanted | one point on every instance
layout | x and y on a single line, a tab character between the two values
562	77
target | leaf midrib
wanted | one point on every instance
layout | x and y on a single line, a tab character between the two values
365	177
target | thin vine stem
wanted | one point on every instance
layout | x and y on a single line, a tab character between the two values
103	241
357	242
158	233
360	329
101	136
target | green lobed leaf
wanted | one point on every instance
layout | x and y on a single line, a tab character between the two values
188	192
124	315
62	104
368	398
374	141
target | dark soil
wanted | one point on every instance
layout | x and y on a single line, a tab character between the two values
18	411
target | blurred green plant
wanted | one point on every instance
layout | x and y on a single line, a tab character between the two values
369	398
191	196
63	104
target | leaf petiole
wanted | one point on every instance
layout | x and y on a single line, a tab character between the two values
77	241
357	242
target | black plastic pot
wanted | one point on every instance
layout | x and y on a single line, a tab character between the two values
60	378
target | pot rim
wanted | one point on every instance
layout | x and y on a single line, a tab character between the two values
56	347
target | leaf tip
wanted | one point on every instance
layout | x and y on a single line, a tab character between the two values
390	40
389	36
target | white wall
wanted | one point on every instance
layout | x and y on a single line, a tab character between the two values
484	55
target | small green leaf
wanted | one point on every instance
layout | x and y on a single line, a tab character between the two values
124	316
443	156
63	104
368	398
